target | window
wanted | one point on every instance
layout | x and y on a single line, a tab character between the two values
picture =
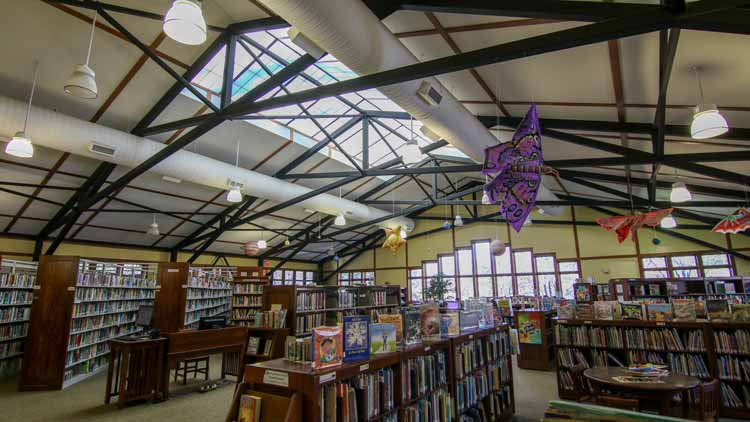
483	263
655	267
448	269
546	274
716	265
356	278
504	273
290	277
687	266
415	285
569	273
684	266
524	272
465	273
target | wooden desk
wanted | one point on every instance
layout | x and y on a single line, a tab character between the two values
135	368
663	392
229	341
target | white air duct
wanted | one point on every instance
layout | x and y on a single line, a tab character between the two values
64	133
348	30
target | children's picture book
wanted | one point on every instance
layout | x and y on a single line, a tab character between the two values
530	327
631	310
583	292
412	330
684	309
328	347
584	311
603	310
383	338
654	289
449	324
429	320
729	288
252	345
718	309
249	410
397	322
659	311
700	308
505	307
356	338
566	309
741	312
720	287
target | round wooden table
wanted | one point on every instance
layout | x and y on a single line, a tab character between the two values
663	391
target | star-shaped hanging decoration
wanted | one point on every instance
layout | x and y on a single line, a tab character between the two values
393	240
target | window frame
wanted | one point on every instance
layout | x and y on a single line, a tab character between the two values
560	273
699	266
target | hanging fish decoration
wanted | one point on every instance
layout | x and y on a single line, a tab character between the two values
734	223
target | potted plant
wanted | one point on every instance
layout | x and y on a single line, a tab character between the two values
436	289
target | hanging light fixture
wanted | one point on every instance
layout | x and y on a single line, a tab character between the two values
486	198
403	233
340	219
153	228
262	244
528	221
410	151
680	193
458	221
20	145
184	22
287	242
668	222
707	121
331	251
234	194
82	82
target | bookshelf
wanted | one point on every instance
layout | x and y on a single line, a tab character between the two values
736	289
16	292
702	349
79	305
535	351
270	344
308	307
435	380
247	294
186	294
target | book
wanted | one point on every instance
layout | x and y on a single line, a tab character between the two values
741	312
397	322
584	311
659	311
249	410
654	290
429	320
412	330
327	346
449	324
632	310
729	288
717	309
566	309
684	309
356	338
603	310
252	345
720	287
583	292
700	308
505	307
382	338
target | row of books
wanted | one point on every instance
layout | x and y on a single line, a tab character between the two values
737	341
104	293
10	348
664	338
247	301
209	282
263	319
299	349
254	346
732	368
568	357
17	280
248	288
243	316
645	356
86	367
14	314
102	279
81	310
10	366
311	300
422	374
688	364
731	398
102	334
677	310
194	306
436	406
16	297
78	356
570	335
721	287
357	399
470	389
469	356
305	323
9	331
201	294
103	321
192	317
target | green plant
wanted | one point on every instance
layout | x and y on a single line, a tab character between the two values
437	288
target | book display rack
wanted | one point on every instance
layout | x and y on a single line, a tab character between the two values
16	286
535	335
247	295
701	349
436	380
186	294
79	305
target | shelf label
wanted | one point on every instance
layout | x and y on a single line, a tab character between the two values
427	349
660	324
158	286
37	287
71	289
173	270
243	273
276	378
363	368
184	286
327	377
588	322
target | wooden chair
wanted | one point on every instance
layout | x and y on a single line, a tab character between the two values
619	402
192	366
709	401
581	385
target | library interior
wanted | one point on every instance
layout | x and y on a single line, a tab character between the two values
374	210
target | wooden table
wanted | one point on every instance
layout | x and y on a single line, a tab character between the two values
134	371
663	392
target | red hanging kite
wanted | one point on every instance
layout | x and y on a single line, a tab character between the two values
624	224
734	223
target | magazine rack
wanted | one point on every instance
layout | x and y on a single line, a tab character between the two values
273	408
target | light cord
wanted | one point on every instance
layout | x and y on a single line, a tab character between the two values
91	37
31	95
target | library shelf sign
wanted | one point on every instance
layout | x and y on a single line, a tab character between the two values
278	378
530	328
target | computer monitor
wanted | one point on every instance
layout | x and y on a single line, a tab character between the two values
208	323
144	316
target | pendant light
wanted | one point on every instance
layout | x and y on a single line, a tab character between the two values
410	151
153	228
20	145
458	221
262	242
287	242
235	194
668	222
82	82
707	121
403	233
485	198
680	192
528	221
184	22
340	219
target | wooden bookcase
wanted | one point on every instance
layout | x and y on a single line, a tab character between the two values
187	293
276	337
329	303
536	356
629	349
247	293
285	377
665	289
16	291
78	306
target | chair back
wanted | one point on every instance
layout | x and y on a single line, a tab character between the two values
580	383
710	399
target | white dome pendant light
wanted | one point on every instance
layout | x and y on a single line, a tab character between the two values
262	242
235	194
707	121
184	22
153	228
668	222
20	145
411	152
458	221
340	219
680	192
82	82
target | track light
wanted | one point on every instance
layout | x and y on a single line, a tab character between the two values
184	22
20	145
262	244
458	221
680	193
707	121
153	228
668	222
82	82
234	194
340	220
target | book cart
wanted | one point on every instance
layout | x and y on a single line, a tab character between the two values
16	286
701	349
247	294
433	376
79	305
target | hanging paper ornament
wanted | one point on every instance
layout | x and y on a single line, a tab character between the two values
734	223
446	224
393	240
250	248
497	247
656	241
623	225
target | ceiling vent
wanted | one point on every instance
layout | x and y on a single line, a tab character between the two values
100	149
429	93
